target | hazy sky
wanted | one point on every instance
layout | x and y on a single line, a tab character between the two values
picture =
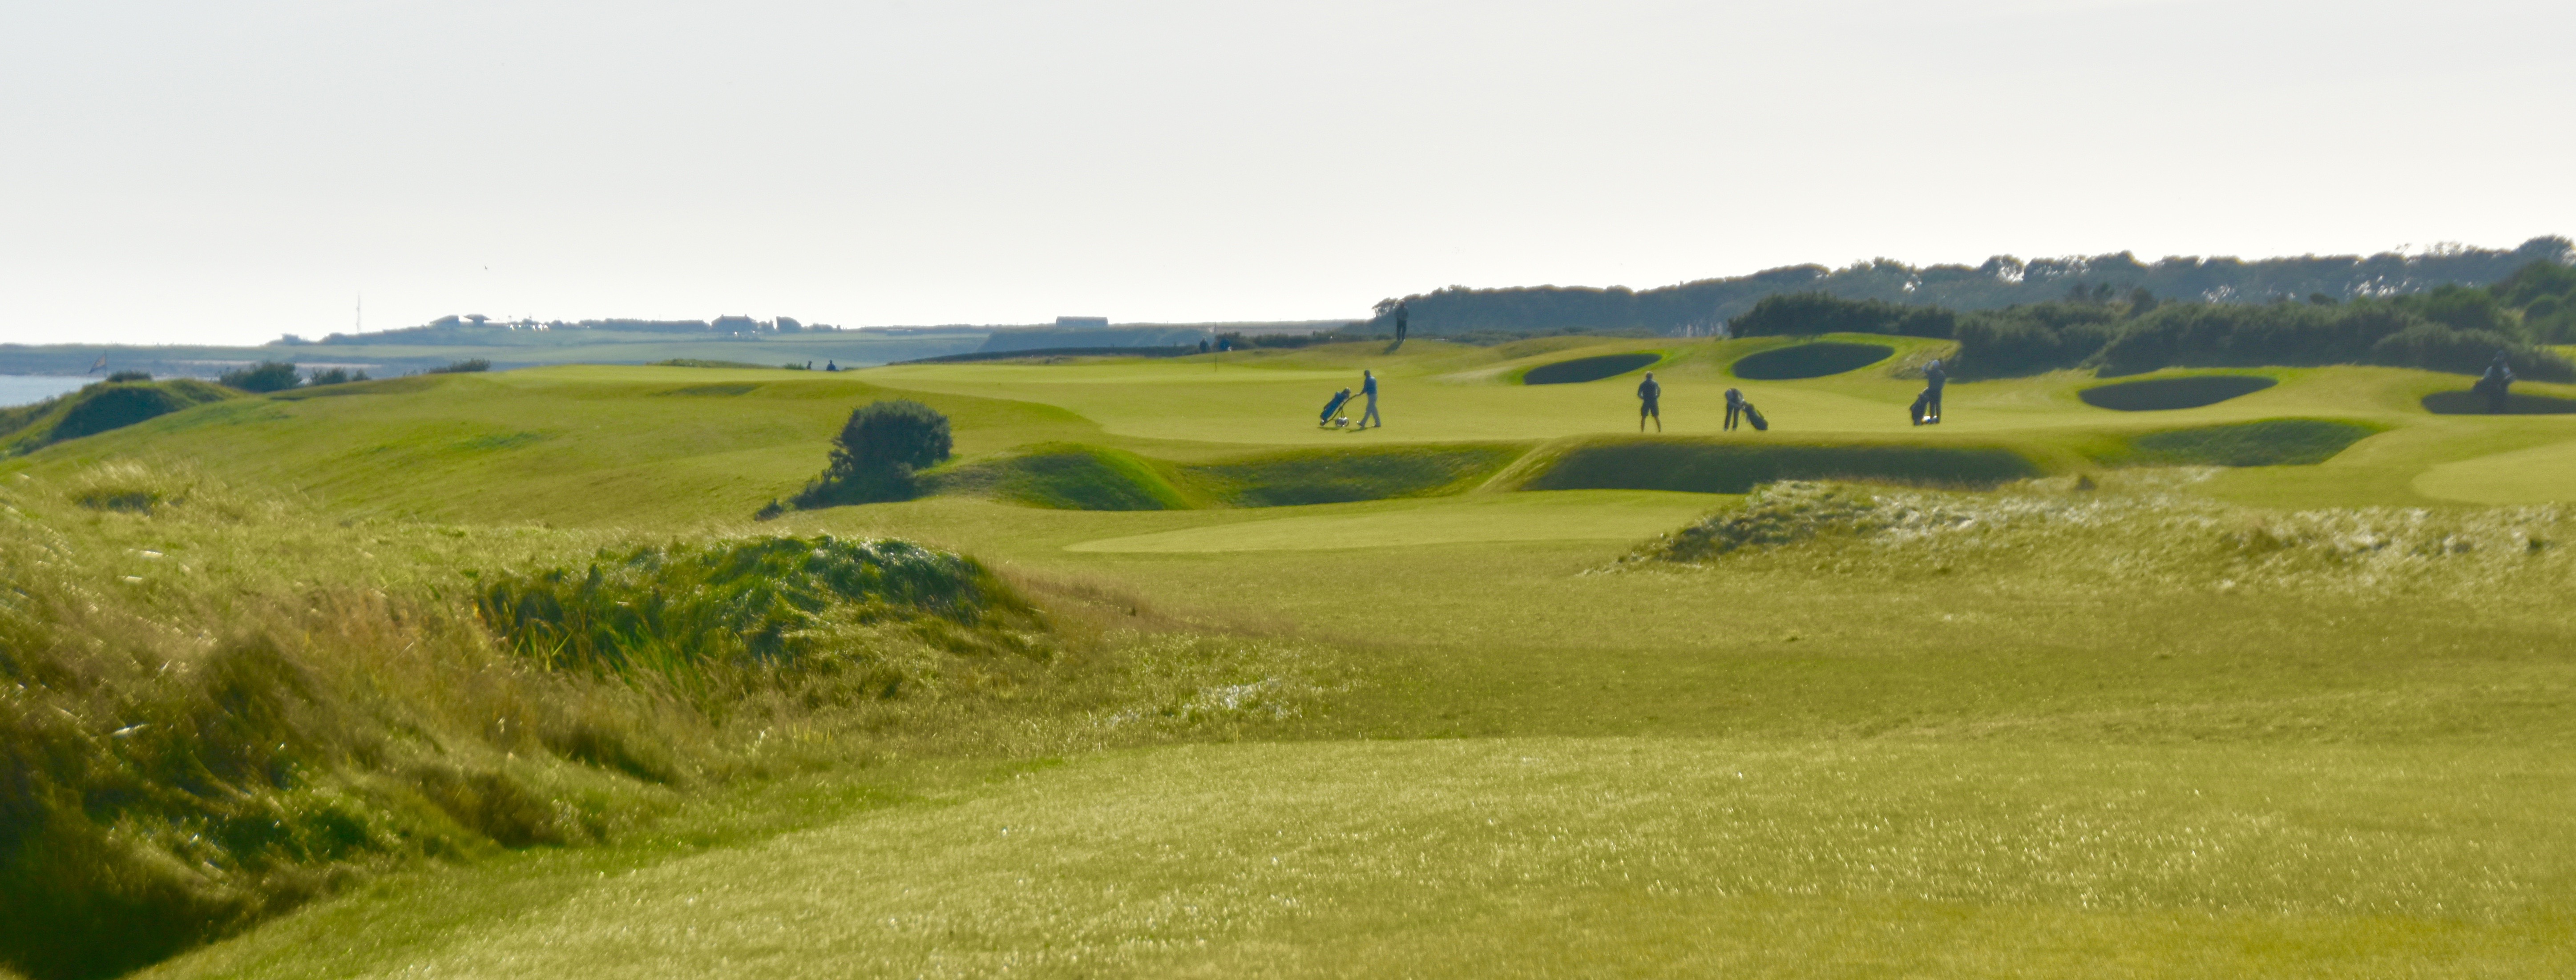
226	171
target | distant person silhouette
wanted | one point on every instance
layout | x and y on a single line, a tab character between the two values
1927	406
1734	408
1368	386
1648	393
831	366
2495	383
1402	317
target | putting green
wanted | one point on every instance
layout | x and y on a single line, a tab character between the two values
1576	515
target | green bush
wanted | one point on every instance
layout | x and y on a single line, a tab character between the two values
469	365
1814	313
878	451
2034	338
265	376
2437	347
122	376
336	376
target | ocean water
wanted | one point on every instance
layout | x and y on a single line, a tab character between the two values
24	389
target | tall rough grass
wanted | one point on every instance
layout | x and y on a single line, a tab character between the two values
214	706
2138	528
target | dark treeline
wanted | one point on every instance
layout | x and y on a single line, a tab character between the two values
2001	281
2448	328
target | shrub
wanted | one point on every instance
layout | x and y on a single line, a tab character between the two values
2435	347
124	376
265	376
877	453
336	376
467	366
2034	338
1813	313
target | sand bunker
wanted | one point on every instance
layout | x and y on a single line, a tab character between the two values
2472	403
1814	360
2168	394
1583	369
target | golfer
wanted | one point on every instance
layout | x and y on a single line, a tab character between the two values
2495	383
1648	392
1734	408
1368	386
1933	379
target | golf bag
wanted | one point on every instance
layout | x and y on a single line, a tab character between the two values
1754	416
2492	389
1922	403
1340	399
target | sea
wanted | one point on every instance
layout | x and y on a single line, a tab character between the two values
28	389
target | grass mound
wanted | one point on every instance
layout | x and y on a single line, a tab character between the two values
2167	394
2270	442
1734	467
1584	369
1067	476
2472	403
99	408
1776	514
774	604
1335	476
2134	531
1815	360
216	707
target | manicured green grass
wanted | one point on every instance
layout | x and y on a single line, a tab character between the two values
2307	717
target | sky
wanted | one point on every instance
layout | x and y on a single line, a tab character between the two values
192	172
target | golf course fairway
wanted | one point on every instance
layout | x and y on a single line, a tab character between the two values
2045	690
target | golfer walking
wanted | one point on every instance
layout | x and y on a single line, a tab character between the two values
1648	393
1368	386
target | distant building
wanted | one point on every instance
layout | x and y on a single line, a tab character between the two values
1082	323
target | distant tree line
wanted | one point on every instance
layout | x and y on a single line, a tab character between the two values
448	329
2447	328
1708	304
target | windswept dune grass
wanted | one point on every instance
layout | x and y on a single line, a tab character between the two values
217	705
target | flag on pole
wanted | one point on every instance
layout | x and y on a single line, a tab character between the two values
102	362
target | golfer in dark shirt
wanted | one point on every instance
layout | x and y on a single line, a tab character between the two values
1648	393
1734	408
2496	383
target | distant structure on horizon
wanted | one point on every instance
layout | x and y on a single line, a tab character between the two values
1082	323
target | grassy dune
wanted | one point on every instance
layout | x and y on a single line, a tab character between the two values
1388	705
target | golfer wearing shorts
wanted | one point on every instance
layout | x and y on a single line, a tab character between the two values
1648	393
